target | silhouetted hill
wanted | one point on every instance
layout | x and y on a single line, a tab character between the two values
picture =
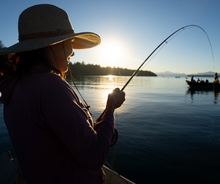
79	69
168	73
205	74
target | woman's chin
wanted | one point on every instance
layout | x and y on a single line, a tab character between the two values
64	70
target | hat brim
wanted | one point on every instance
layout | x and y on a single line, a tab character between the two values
83	40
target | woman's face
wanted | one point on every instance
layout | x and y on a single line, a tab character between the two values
60	54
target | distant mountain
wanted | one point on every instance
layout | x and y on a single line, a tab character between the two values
205	73
168	73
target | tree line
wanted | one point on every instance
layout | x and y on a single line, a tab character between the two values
80	69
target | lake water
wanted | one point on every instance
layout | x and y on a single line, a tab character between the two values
166	133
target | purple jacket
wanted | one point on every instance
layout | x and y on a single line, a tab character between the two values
52	131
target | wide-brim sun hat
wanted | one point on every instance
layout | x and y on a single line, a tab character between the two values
43	25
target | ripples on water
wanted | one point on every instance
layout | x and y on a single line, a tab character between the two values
165	131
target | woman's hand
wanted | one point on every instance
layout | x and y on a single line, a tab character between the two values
115	99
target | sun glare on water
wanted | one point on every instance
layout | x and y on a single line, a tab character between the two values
111	54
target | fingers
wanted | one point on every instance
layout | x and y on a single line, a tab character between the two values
116	90
118	96
115	99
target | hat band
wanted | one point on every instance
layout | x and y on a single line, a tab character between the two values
45	34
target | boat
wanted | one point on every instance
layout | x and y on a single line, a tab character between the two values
10	172
203	85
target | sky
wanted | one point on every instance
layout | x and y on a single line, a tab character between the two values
131	29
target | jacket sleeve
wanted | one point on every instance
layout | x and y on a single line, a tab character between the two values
70	124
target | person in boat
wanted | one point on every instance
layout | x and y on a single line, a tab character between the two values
52	131
192	80
216	78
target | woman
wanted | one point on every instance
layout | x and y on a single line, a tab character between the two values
51	130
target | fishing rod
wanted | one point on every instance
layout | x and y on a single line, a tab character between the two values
182	28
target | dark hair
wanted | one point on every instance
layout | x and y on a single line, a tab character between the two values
24	61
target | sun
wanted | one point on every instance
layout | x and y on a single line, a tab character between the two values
111	54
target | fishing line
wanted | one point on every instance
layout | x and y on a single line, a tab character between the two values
162	47
162	43
168	39
71	76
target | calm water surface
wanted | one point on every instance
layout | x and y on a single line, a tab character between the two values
167	134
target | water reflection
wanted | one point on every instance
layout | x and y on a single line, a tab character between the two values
193	92
110	77
95	89
108	81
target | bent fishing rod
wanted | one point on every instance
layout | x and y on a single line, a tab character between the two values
182	28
